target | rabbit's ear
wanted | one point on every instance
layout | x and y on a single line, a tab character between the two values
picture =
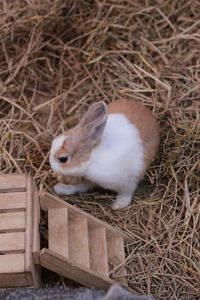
93	123
95	114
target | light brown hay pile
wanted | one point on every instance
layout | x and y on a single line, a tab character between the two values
56	58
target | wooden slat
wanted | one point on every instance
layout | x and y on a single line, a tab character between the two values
98	250
12	280
29	278
29	224
12	241
65	267
78	241
116	257
12	182
12	263
31	271
12	200
36	270
19	269
32	234
58	231
49	201
12	220
36	224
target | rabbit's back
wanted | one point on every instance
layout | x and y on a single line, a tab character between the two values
144	120
137	114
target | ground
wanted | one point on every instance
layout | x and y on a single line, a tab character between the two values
56	58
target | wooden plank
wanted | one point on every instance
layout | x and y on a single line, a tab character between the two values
12	182
12	263
78	241
15	200
12	241
49	201
33	277
116	257
29	224
35	268
98	250
12	280
29	278
12	220
65	267
58	231
36	224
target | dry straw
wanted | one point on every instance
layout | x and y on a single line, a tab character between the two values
56	58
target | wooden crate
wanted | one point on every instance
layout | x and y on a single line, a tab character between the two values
80	246
19	231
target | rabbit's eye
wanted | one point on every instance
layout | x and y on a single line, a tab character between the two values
63	159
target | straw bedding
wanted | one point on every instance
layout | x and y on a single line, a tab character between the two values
56	58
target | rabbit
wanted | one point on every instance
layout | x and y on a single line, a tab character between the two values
116	292
112	146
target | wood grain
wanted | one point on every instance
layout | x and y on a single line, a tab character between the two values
29	223
36	269
58	231
98	250
12	182
49	201
12	241
12	220
116	257
12	263
16	200
65	267
12	280
19	231
31	271
88	239
36	224
78	241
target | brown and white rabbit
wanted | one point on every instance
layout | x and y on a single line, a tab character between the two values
112	146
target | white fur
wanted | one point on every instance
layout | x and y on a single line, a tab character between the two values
118	159
56	145
67	189
55	165
115	163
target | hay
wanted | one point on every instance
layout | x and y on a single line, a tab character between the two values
56	58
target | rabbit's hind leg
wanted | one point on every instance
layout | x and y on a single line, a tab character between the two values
124	197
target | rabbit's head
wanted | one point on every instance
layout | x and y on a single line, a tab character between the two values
70	151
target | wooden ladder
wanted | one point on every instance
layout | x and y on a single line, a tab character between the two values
80	246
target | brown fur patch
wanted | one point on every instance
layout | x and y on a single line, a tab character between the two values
72	146
72	180
144	121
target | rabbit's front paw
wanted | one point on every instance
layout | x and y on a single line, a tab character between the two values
65	189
